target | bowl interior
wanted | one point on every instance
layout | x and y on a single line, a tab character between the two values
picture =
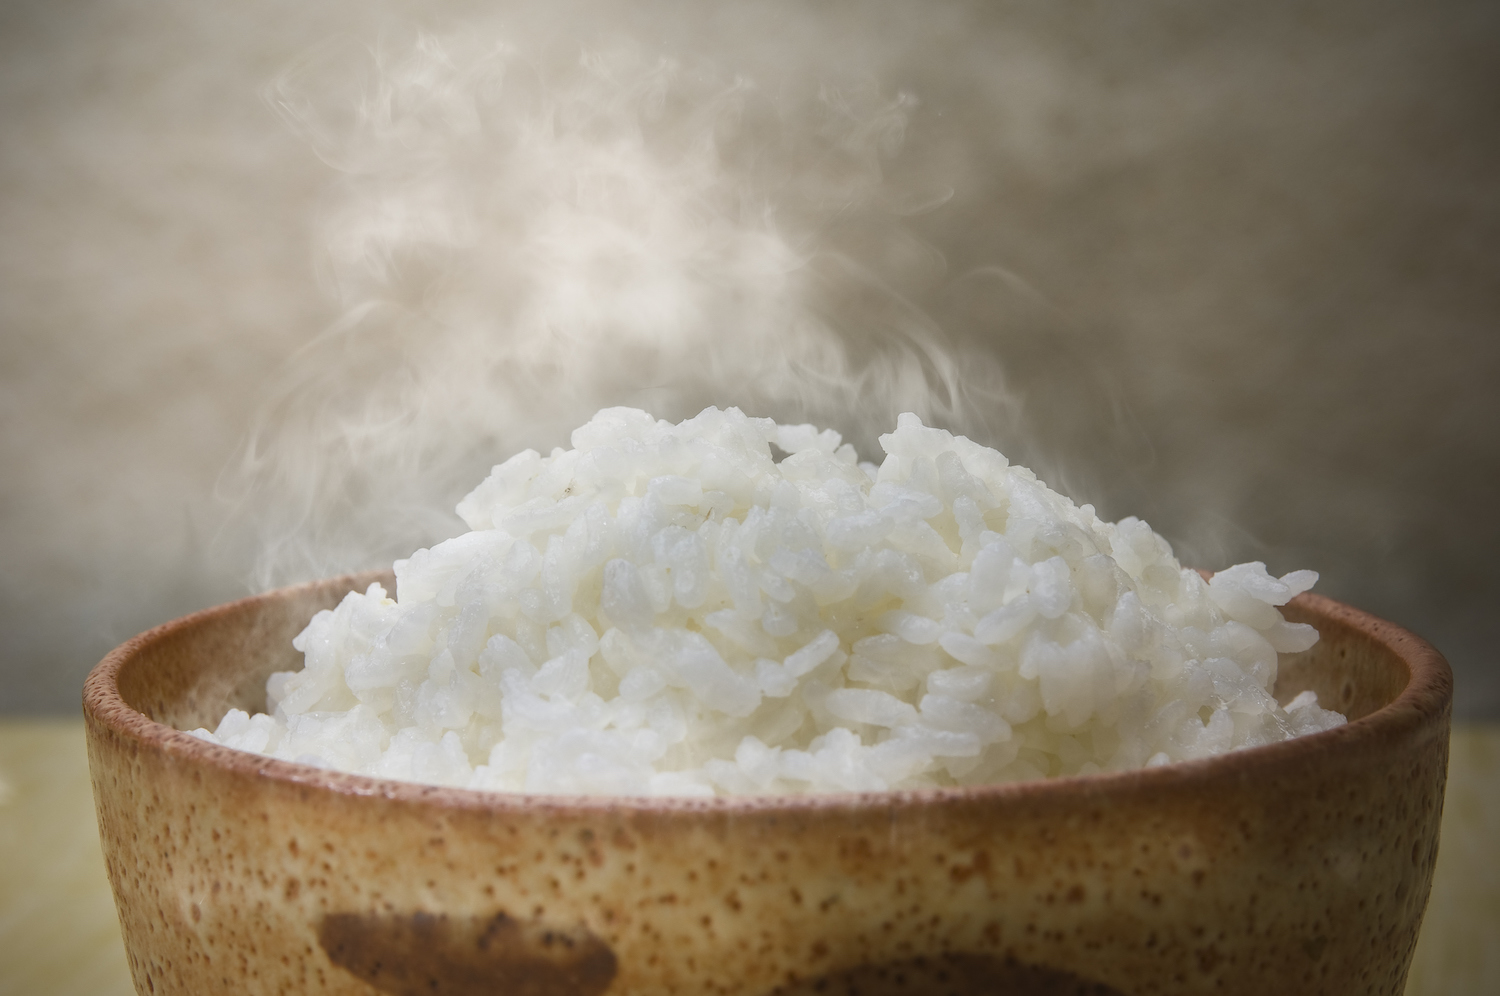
188	674
1351	670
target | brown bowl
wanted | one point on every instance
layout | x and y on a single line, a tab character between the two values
1301	867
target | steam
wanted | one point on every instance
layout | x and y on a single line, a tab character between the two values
517	241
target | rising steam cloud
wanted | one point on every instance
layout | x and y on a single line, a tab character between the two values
517	241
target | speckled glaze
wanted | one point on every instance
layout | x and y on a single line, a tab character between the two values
1301	867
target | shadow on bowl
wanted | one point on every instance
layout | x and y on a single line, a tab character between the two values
1299	867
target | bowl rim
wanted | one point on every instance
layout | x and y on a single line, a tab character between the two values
1426	699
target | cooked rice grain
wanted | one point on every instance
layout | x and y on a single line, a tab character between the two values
666	610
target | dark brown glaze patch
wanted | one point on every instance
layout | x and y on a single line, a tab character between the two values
949	975
434	954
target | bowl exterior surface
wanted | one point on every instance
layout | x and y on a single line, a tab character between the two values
1298	868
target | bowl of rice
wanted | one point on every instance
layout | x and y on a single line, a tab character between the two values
716	707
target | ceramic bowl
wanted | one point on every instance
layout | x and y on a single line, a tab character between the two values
1301	867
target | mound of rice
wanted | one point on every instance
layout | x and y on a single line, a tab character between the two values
667	610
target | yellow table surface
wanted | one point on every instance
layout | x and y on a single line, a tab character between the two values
59	936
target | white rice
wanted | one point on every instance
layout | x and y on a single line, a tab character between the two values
666	610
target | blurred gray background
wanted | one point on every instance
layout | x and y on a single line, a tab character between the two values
1250	256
